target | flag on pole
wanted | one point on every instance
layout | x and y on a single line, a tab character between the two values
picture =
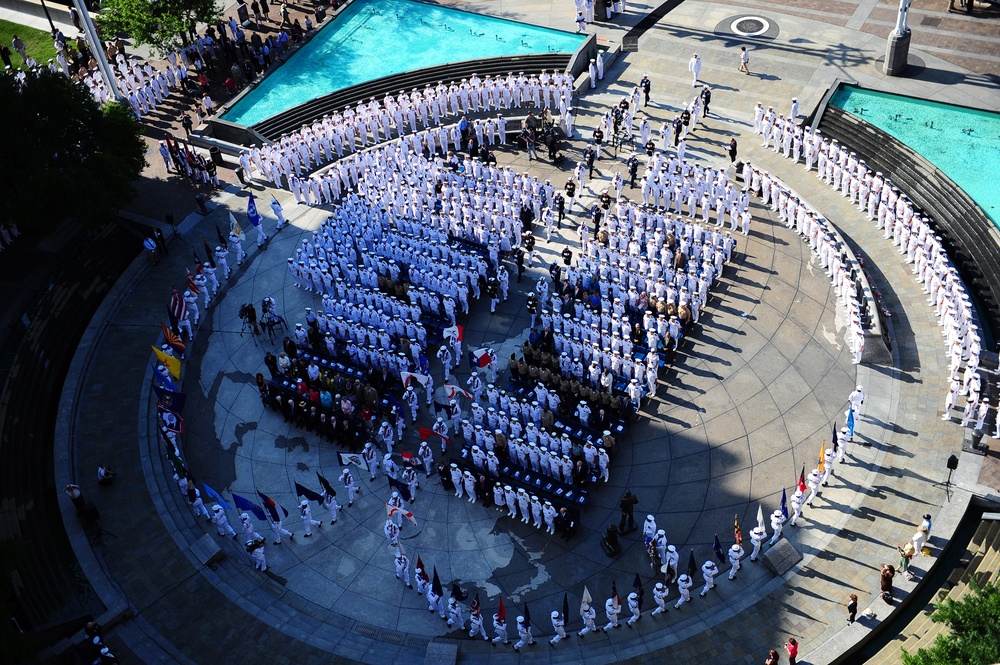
475	604
308	493
172	340
457	592
836	442
222	237
423	570
164	378
246	505
565	612
737	534
822	460
637	585
784	503
215	495
692	566
170	419
271	507
616	601
327	487
409	377
252	215
587	598
169	399
178	308
391	510
427	432
454	331
451	390
527	615
717	548
760	515
502	611
401	487
802	480
351	458
479	358
208	250
172	363
192	286
176	462
234	226
436	584
850	423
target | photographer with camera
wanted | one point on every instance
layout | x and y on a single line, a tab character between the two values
248	314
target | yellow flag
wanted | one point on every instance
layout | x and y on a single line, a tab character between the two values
172	363
822	456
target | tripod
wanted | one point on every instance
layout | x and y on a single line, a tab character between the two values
250	327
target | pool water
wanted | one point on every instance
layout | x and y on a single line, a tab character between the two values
963	143
376	38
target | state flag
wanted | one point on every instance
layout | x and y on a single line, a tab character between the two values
351	458
479	358
169	399
215	495
308	493
172	363
409	377
451	390
248	506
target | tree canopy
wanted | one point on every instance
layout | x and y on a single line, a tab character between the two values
163	24
65	156
974	638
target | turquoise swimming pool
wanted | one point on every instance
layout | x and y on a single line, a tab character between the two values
964	143
376	38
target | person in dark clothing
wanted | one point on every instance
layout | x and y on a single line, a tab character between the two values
732	151
645	85
633	169
627	506
706	99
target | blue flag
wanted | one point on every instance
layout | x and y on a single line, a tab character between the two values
717	548
252	215
215	495
164	379
784	504
850	423
246	505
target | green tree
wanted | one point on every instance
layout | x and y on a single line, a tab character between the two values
65	156
163	24
974	638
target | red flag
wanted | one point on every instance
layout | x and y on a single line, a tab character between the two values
178	308
737	534
802	480
407	457
192	287
427	432
172	340
420	565
502	611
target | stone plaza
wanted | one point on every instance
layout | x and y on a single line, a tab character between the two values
750	399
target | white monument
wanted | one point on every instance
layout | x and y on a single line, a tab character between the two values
898	48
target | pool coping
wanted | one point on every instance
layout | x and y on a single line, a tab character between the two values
251	86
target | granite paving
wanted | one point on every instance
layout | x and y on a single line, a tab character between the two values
750	400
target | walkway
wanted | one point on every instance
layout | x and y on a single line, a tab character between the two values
743	412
